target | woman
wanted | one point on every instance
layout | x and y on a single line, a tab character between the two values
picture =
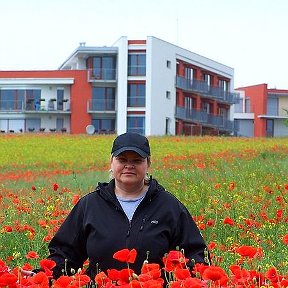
130	211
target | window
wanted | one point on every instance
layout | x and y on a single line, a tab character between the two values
269	127
189	103
59	124
272	106
136	124
207	78
13	99
238	107
33	124
206	107
168	64
167	126
104	67
136	64
189	73
103	98
60	98
168	95
104	126
223	84
247	105
136	95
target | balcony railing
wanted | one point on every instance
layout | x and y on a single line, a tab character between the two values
101	74
201	87
101	105
202	117
137	70
34	106
138	101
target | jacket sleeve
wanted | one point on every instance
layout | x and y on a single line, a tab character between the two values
189	238
68	247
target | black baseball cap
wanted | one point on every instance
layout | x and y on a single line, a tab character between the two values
131	142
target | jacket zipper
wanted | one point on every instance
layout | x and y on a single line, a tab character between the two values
143	223
129	229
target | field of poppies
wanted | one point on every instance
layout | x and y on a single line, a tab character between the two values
235	188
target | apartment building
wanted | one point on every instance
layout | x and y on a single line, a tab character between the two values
261	112
147	86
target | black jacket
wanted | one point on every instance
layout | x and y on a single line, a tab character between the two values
97	227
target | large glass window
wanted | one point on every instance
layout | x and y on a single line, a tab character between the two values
136	95
13	99
104	126
103	98
104	67
136	64
136	124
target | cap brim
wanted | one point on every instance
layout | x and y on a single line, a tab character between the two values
134	149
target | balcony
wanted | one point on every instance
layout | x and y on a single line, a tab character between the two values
203	118
101	106
102	74
31	106
202	88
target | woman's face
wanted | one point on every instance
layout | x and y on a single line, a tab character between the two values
129	168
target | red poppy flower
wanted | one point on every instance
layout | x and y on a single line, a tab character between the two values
173	260
215	273
192	283
125	255
55	186
212	245
40	279
3	267
101	279
247	251
182	274
75	198
7	228
285	239
228	221
27	266
153	283
7	280
125	276
113	274
33	188
81	280
47	263
272	275
148	267
63	281
231	186
32	255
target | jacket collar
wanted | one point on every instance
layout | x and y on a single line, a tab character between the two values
106	190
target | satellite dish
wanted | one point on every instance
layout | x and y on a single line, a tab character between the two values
90	129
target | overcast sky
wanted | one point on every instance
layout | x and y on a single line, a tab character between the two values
250	36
